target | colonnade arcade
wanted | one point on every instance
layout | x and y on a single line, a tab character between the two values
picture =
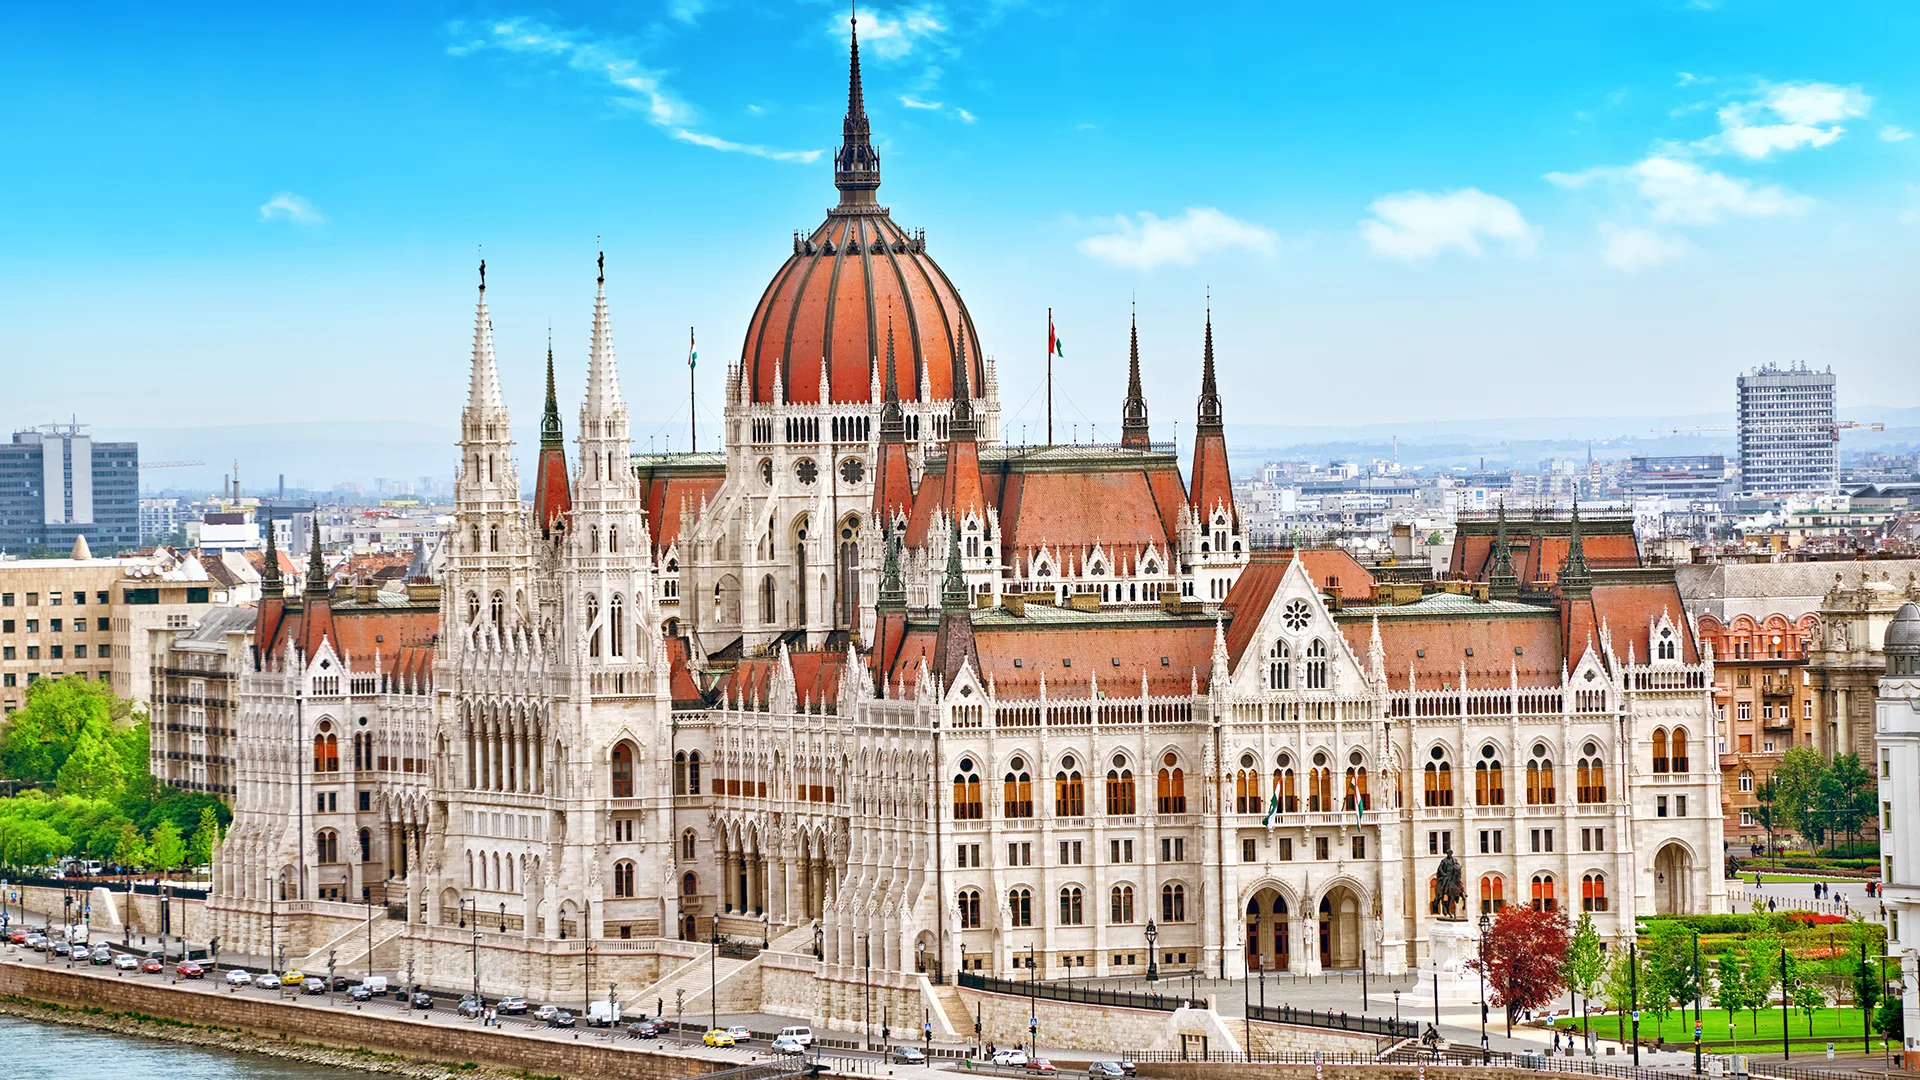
1277	935
782	873
506	746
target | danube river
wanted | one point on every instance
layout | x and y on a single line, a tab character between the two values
38	1051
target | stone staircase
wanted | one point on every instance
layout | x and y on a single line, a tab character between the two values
951	1011
351	947
797	940
688	983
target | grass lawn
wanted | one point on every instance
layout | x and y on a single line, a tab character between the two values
1798	878
1836	1025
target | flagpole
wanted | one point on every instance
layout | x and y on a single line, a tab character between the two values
693	412
1049	376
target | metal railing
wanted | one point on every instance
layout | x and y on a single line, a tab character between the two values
1367	1025
1538	1060
1077	994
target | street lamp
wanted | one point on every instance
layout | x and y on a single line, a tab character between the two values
1486	1052
1696	1003
713	990
766	931
819	937
866	1018
1153	958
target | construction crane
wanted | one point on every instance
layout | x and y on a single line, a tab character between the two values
1692	430
1839	424
169	464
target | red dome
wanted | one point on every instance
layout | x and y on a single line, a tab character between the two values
834	296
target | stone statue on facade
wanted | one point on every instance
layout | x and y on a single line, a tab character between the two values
1452	890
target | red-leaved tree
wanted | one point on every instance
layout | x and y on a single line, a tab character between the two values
1526	951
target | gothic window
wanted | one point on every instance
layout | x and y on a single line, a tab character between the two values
1439	779
1493	894
327	846
1317	665
473	607
806	471
1072	910
767	598
622	770
1659	750
1489	786
493	538
966	793
689	845
1020	907
593	539
326	750
1677	751
853	470
1017	793
1296	615
1593	892
1119	787
693	773
1543	898
766	471
970	909
1319	785
1286	795
613	538
1069	792
1590	776
1280	667
1665	649
680	776
1120	905
366	845
475	547
616	626
1246	787
623	878
593	629
1172	789
496	607
1173	903
689	885
1540	786
1356	783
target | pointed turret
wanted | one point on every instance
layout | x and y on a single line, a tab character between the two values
483	382
316	605
1501	580
954	594
954	647
271	583
487	478
1576	581
893	479
605	448
1133	413
964	493
1212	484
890	622
552	497
273	599
856	165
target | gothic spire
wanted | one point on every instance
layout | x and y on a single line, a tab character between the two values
953	590
1575	578
1133	413
856	165
893	591
603	375
316	566
550	420
960	428
483	390
1501	578
271	585
1209	390
893	424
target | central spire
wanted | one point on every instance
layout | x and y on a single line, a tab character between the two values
1209	389
856	165
1133	413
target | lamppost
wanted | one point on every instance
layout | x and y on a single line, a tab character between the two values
613	1007
819	937
1696	1003
1153	957
866	1018
1033	1003
476	939
1786	1014
1486	1052
713	989
766	931
1633	992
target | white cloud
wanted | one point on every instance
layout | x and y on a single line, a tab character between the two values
1197	232
635	86
965	116
916	103
1895	133
1629	247
893	36
1418	225
286	206
1787	117
686	11
1684	193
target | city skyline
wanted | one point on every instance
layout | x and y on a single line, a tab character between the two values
1729	191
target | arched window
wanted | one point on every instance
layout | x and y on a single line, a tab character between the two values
1540	786
1247	796
493	536
689	845
1016	794
768	596
1173	903
1493	894
970	909
1356	794
623	878
1069	792
473	603
1659	750
366	845
1433	895
1288	799
1119	788
622	768
1677	751
689	884
1665	649
613	538
1439	779
1120	905
1172	788
966	793
326	750
616	631
1317	665
1020	907
1746	780
693	772
593	628
327	846
1072	911
497	607
1319	785
680	775
1593	892
1489	787
1590	776
475	546
1543	899
1280	667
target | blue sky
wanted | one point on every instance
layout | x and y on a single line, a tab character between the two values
1404	211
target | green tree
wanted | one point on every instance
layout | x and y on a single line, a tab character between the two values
1766	811
41	734
205	835
165	847
27	842
1809	999
1618	988
1759	960
1890	1018
1796	791
1586	964
131	850
1670	977
1847	794
92	769
1729	983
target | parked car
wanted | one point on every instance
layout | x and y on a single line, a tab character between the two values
61	948
512	1006
717	1037
339	983
359	992
799	1033
650	1029
102	956
545	1012
187	969
1040	1065
1110	1070
787	1044
470	1006
908	1055
152	966
739	1032
313	984
561	1018
1010	1059
421	1000
82	954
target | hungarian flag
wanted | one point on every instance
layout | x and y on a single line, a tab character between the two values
1054	346
1273	808
692	353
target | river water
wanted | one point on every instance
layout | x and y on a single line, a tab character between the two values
31	1050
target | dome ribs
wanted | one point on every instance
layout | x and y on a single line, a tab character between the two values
785	358
825	396
913	319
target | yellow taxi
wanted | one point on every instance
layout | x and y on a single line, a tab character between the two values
717	1037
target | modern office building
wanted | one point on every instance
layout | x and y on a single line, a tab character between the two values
1684	478
57	483
1787	437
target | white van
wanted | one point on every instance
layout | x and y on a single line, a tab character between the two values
801	1035
603	1013
375	983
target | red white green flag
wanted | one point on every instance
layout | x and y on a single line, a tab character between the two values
1055	347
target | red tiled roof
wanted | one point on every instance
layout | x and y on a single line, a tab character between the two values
672	486
816	677
1071	654
1434	647
401	637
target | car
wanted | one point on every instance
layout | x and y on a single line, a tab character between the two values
18	937
421	1000
1040	1065
907	1055
1105	1070
61	948
717	1037
359	992
267	980
82	953
152	966
561	1018
187	969
787	1044
799	1033
739	1032
37	942
648	1029
1010	1059
512	1006
545	1012
470	1006
235	976
339	984
102	956
313	984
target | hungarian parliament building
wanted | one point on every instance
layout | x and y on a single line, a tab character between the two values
886	698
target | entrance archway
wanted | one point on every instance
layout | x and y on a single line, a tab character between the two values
1268	932
1339	929
1672	881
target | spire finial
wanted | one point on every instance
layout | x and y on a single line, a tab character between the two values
1209	389
603	267
1575	578
316	567
1133	413
953	591
961	426
856	165
483	275
270	581
1501	578
550	433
